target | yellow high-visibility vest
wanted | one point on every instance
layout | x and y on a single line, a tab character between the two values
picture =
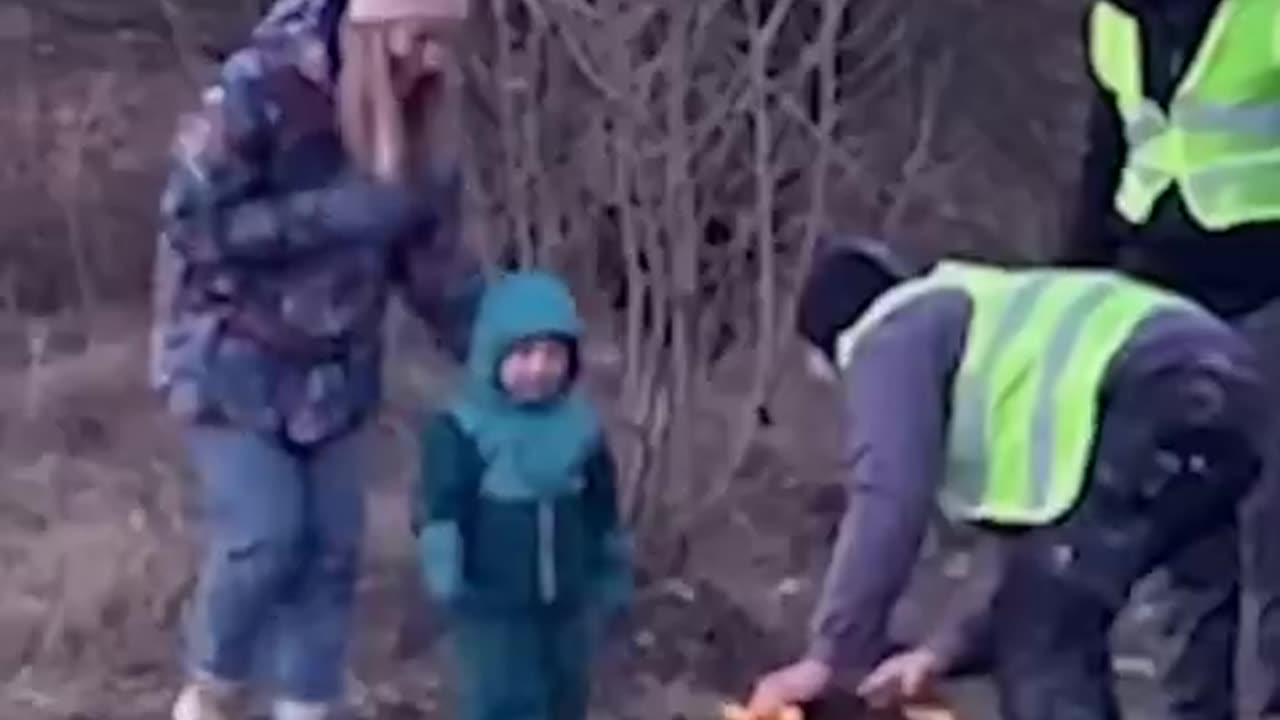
1024	402
1218	142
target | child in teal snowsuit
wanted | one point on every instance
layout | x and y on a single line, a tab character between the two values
520	538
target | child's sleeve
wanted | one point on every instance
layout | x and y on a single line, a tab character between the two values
612	584
448	465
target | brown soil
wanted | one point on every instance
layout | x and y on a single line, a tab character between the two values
96	541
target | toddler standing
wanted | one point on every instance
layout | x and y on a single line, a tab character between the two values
520	539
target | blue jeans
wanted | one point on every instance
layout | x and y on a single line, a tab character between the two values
284	526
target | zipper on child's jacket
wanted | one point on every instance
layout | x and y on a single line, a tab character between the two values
547	550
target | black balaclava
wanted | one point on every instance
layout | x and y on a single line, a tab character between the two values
847	276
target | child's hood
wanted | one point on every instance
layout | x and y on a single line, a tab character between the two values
540	451
519	305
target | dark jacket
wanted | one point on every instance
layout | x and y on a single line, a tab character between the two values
1231	272
502	559
276	259
518	502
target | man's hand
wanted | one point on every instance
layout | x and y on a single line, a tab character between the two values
900	678
793	685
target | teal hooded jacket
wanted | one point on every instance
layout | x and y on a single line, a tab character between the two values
517	504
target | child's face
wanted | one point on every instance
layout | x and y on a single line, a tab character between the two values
535	370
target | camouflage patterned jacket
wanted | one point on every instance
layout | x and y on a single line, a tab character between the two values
276	260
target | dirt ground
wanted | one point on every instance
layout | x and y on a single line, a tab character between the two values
97	543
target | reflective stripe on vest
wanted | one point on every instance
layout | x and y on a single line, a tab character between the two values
1024	402
1219	142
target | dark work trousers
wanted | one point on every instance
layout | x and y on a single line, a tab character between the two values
1173	460
1261	537
1196	601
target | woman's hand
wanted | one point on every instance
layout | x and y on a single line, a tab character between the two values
793	685
900	678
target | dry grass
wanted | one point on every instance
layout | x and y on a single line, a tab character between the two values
96	549
86	133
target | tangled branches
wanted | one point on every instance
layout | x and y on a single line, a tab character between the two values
678	159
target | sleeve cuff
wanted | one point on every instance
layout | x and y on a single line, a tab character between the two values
946	647
822	649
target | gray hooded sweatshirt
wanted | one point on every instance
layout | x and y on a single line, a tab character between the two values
903	369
